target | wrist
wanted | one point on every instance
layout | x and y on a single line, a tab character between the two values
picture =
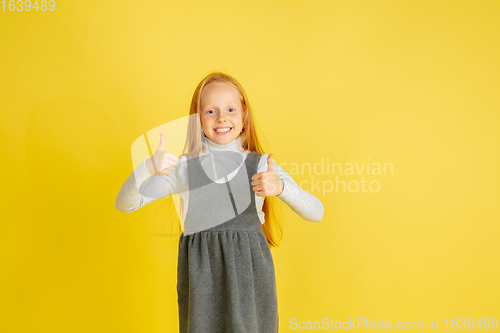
282	186
149	166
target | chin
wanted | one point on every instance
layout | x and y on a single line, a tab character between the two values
223	140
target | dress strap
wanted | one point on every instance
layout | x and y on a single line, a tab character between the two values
218	206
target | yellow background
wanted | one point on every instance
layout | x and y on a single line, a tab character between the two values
412	83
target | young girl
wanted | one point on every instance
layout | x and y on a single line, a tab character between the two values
225	274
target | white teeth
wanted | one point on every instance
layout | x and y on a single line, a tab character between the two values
222	129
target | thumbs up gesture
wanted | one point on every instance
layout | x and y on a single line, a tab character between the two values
162	162
267	183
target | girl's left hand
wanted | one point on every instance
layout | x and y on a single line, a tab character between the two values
267	183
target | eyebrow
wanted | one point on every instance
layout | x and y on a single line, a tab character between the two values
213	106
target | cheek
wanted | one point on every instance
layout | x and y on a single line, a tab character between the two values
238	121
205	122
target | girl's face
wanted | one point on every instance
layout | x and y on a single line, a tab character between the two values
221	112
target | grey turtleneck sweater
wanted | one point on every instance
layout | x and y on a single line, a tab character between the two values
142	187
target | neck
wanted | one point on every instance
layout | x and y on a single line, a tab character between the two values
234	145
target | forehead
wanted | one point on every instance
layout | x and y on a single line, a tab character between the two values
217	93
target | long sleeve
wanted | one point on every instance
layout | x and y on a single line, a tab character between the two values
141	188
305	204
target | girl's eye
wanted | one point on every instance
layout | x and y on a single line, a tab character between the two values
212	111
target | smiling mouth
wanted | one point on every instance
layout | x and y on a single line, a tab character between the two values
222	129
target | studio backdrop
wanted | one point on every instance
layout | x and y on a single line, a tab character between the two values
386	111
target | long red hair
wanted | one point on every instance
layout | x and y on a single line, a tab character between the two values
272	228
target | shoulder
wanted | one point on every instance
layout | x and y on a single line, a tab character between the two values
251	155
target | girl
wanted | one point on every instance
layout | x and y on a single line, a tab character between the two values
225	274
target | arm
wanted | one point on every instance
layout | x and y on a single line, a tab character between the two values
142	188
305	204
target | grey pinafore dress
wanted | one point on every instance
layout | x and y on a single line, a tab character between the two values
225	275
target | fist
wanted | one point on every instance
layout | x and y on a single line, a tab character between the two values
162	162
267	183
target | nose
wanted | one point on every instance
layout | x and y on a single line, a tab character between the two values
221	118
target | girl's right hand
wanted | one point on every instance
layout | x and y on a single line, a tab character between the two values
162	162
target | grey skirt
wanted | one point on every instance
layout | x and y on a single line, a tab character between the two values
225	275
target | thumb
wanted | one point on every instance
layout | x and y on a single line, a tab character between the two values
270	164
161	146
